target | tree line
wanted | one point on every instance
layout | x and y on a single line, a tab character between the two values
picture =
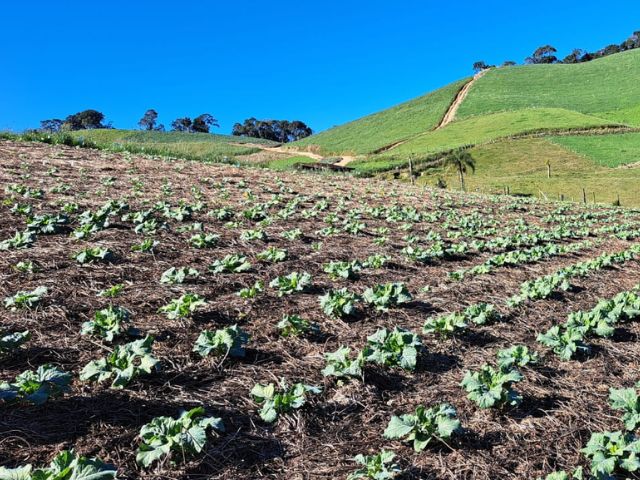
546	54
282	131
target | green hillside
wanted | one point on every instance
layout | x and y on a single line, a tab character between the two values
196	146
381	129
607	85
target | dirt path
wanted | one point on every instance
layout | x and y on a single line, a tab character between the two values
462	94
344	159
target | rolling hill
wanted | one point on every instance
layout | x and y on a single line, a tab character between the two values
583	118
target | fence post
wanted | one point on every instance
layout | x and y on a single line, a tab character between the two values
584	196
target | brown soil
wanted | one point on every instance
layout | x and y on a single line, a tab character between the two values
563	401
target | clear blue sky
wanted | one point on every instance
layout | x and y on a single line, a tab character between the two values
323	62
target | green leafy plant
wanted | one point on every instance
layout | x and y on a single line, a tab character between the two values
204	240
22	299
376	467
112	291
225	341
338	303
253	291
124	364
291	283
273	255
294	325
445	325
342	270
230	264
106	323
612	452
276	400
176	438
66	465
427	424
12	341
146	246
627	400
565	341
481	313
174	275
93	254
183	306
36	387
489	388
19	241
516	356
388	295
393	348
340	365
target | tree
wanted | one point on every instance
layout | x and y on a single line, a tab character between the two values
508	63
181	124
148	120
52	125
461	160
84	120
282	131
575	57
544	54
202	123
479	66
609	50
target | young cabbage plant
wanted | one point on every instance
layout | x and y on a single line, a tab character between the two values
36	387
338	303
445	325
12	341
291	283
66	465
253	291
124	364
183	306
175	275
176	438
489	388
93	254
516	356
294	325
273	255
106	323
425	425
395	348
339	364
230	264
229	341
383	297
612	453
25	300
376	467
627	400
276	400
342	270
565	341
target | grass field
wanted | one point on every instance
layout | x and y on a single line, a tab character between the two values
386	127
604	150
139	136
604	85
521	166
194	146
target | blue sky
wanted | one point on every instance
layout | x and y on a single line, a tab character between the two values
323	62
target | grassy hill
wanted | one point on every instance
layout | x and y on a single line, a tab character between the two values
605	86
379	130
196	146
583	118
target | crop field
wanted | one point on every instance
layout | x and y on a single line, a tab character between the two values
177	320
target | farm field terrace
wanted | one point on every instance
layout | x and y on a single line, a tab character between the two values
425	288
